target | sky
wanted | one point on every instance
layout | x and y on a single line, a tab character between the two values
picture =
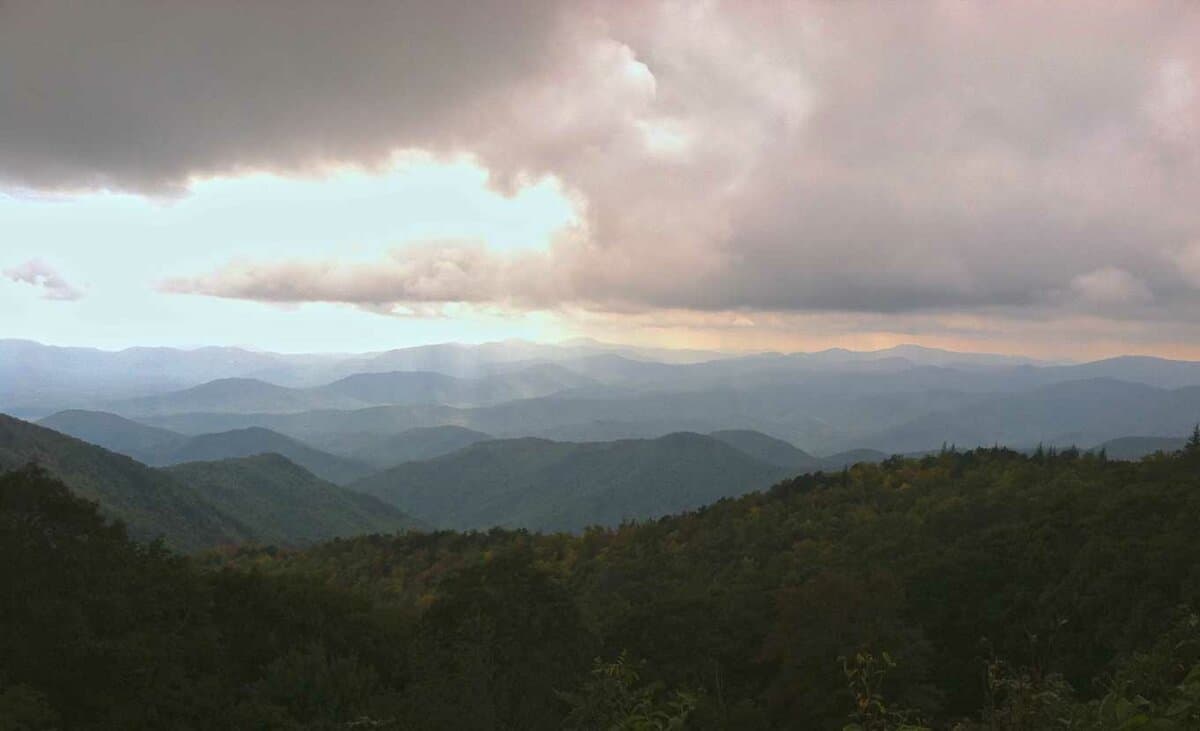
1016	177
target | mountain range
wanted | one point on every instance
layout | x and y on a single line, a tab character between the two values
902	399
1081	413
441	476
545	485
161	447
200	505
249	395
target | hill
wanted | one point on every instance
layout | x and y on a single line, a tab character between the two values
257	440
355	391
545	485
283	504
417	387
413	445
1073	568
230	395
150	503
116	433
51	378
204	504
769	449
667	412
851	457
160	447
979	590
1078	413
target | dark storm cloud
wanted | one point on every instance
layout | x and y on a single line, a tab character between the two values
143	95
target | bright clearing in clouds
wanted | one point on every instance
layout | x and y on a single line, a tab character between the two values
1002	176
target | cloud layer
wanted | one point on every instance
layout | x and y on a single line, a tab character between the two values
886	159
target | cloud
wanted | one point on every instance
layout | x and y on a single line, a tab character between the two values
1110	286
144	95
427	274
1188	260
726	157
40	274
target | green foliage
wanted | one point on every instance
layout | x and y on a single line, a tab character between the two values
281	503
1026	700
1075	571
504	634
614	699
102	632
149	502
1158	689
865	674
313	685
24	709
751	601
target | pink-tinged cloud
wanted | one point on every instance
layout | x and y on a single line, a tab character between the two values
878	158
40	274
430	273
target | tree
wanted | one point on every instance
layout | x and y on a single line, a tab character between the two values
504	634
615	699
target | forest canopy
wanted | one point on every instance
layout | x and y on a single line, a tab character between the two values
984	587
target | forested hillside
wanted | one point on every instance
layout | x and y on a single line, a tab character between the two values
989	589
412	445
264	499
1066	562
150	502
146	444
255	441
545	485
285	505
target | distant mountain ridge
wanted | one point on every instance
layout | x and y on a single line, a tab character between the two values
248	395
769	449
818	421
414	445
251	441
52	378
545	485
1078	413
116	433
904	399
162	447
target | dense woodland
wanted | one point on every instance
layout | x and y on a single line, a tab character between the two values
985	589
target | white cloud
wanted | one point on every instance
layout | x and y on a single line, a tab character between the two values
421	275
